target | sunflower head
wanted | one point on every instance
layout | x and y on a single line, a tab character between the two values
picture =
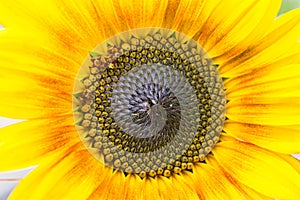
149	101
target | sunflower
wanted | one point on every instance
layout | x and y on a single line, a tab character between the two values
151	99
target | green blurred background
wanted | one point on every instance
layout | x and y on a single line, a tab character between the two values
289	5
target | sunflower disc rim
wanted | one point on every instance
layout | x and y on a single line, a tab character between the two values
90	80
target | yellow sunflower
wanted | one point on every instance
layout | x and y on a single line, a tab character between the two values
151	99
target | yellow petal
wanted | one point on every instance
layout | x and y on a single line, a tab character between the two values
27	143
80	28
133	187
232	22
191	22
41	52
110	15
149	190
142	13
245	192
35	82
63	179
232	38
19	14
259	169
110	188
27	98
54	17
249	193
284	139
176	188
278	80
265	110
29	105
181	183
280	39
116	187
291	160
211	183
65	28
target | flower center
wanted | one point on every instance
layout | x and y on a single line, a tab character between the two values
149	101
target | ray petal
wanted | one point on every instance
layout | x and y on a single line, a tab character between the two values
259	169
280	39
265	110
28	143
62	179
284	139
